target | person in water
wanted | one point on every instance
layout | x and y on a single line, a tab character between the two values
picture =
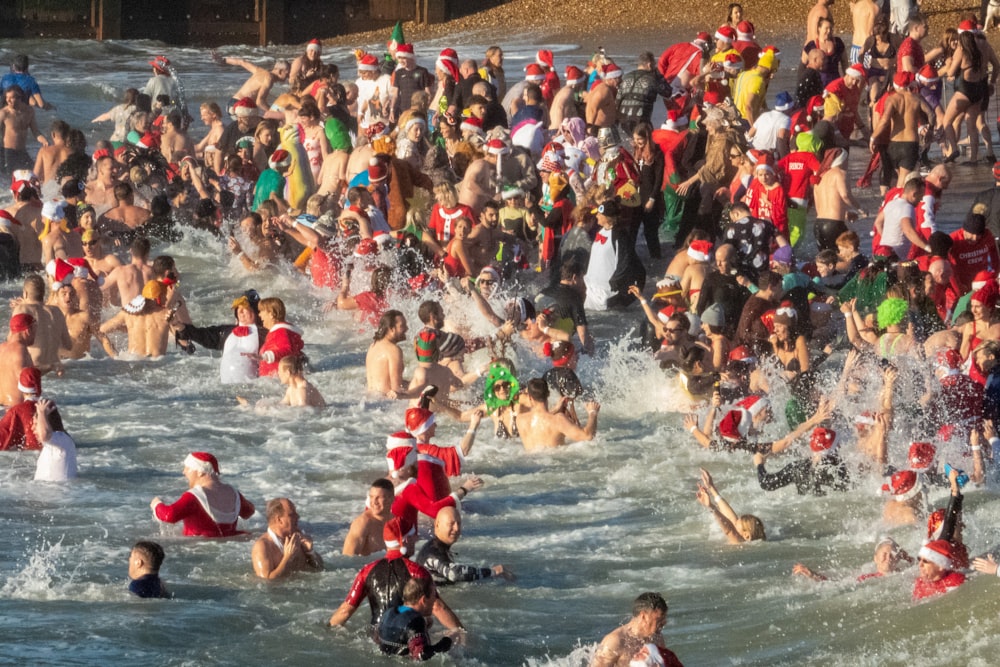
284	548
144	563
436	554
365	534
738	529
403	629
209	508
649	615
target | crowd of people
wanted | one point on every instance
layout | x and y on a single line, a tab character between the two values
510	208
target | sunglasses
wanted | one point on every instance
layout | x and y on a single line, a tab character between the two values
90	243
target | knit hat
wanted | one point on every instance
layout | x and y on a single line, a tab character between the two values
425	345
902	486
30	381
280	158
975	223
202	462
700	251
922	455
823	440
714	316
783	255
401	452
939	552
21	322
419	420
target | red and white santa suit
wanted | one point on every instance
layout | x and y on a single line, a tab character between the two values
442	222
17	425
282	340
798	171
940	553
201	518
926	221
435	464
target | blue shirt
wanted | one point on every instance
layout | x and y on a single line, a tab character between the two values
25	81
148	586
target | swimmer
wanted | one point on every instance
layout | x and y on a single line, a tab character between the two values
209	508
937	570
365	535
15	356
284	549
125	282
384	361
649	615
17	427
51	333
144	563
436	554
403	629
301	393
541	428
889	558
738	529
382	581
57	462
430	372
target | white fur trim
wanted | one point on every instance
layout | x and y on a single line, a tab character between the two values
935	557
197	464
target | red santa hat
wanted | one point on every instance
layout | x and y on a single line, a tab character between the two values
902	486
448	67
754	404
561	352
366	248
393	533
161	64
939	552
745	30
60	271
279	158
735	425
449	55
419	421
865	419
313	45
245	108
676	120
21	322
742	354
404	51
726	34
82	269
824	440
551	162
928	74
101	153
902	80
856	71
702	39
611	71
368	63
401	451
472	124
733	63
497	147
987	295
149	141
922	455
967	26
375	130
545	59
30	381
947	362
378	170
202	462
574	75
981	279
534	73
700	251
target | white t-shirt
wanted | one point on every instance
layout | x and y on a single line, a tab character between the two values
766	128
892	229
57	462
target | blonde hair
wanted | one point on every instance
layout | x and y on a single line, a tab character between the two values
752	525
446	195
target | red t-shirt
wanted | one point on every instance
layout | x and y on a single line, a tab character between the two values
970	257
797	170
769	205
910	47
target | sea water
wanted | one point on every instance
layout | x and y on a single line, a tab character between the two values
585	528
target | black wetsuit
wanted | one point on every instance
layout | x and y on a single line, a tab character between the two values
808	477
436	556
403	631
148	586
382	583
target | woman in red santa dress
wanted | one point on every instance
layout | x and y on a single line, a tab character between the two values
209	508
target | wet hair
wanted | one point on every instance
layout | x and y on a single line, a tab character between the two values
381	279
140	247
27	193
753	525
159	205
826	257
570	269
386	322
693	357
293	363
649	602
212	108
537	389
151	552
478	99
60	128
940	243
34	287
967	40
680	318
416	588
122	190
643	130
849	238
162	264
741	208
71	188
274	307
768	279
275	508
174	118
17	90
129	97
427	309
384	484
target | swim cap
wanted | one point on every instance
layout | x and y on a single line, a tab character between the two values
21	322
202	462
